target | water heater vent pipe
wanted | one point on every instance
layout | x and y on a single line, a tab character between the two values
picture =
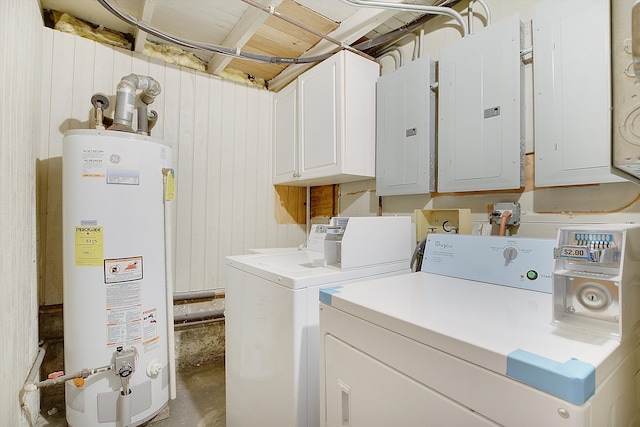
126	95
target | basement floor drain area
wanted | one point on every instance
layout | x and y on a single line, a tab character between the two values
200	401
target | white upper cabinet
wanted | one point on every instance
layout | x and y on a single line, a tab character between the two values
325	123
285	131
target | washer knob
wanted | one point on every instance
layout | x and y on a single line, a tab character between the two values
510	253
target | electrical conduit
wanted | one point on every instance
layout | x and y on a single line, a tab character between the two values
222	50
486	11
435	10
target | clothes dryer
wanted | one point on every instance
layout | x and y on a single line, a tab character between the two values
472	339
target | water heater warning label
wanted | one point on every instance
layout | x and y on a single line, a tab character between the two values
122	269
89	245
150	337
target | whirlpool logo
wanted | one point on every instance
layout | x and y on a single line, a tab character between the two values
441	245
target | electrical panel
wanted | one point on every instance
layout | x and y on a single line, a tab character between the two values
480	125
405	143
572	93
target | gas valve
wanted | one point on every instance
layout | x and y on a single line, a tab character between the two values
125	366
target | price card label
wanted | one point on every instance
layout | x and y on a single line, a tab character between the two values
89	245
576	252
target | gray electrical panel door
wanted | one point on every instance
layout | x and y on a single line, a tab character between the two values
480	126
405	142
572	100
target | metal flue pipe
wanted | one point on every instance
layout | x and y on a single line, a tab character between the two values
126	95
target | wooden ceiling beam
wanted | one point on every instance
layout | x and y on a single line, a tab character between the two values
148	6
351	30
250	22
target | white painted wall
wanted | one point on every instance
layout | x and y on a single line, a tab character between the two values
543	209
220	130
20	37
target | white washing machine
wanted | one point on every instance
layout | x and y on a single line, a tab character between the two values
491	332
271	316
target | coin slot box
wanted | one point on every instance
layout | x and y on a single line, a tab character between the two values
595	286
587	303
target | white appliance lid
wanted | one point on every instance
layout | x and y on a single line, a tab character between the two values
489	325
301	269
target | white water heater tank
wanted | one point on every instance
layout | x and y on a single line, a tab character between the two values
115	299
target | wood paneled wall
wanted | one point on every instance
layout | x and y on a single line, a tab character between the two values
20	41
221	132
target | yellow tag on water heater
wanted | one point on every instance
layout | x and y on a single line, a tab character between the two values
171	186
89	245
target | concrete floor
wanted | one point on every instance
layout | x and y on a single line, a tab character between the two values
200	401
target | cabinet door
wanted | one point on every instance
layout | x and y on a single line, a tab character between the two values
285	151
321	105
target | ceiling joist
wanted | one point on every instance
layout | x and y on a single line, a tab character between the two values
250	22
146	14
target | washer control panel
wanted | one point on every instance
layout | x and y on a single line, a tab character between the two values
517	262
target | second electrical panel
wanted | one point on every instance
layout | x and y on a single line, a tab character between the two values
480	125
572	101
405	141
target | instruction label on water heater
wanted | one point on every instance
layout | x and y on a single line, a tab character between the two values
124	300
124	314
89	245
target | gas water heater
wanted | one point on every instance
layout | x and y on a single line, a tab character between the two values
118	318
